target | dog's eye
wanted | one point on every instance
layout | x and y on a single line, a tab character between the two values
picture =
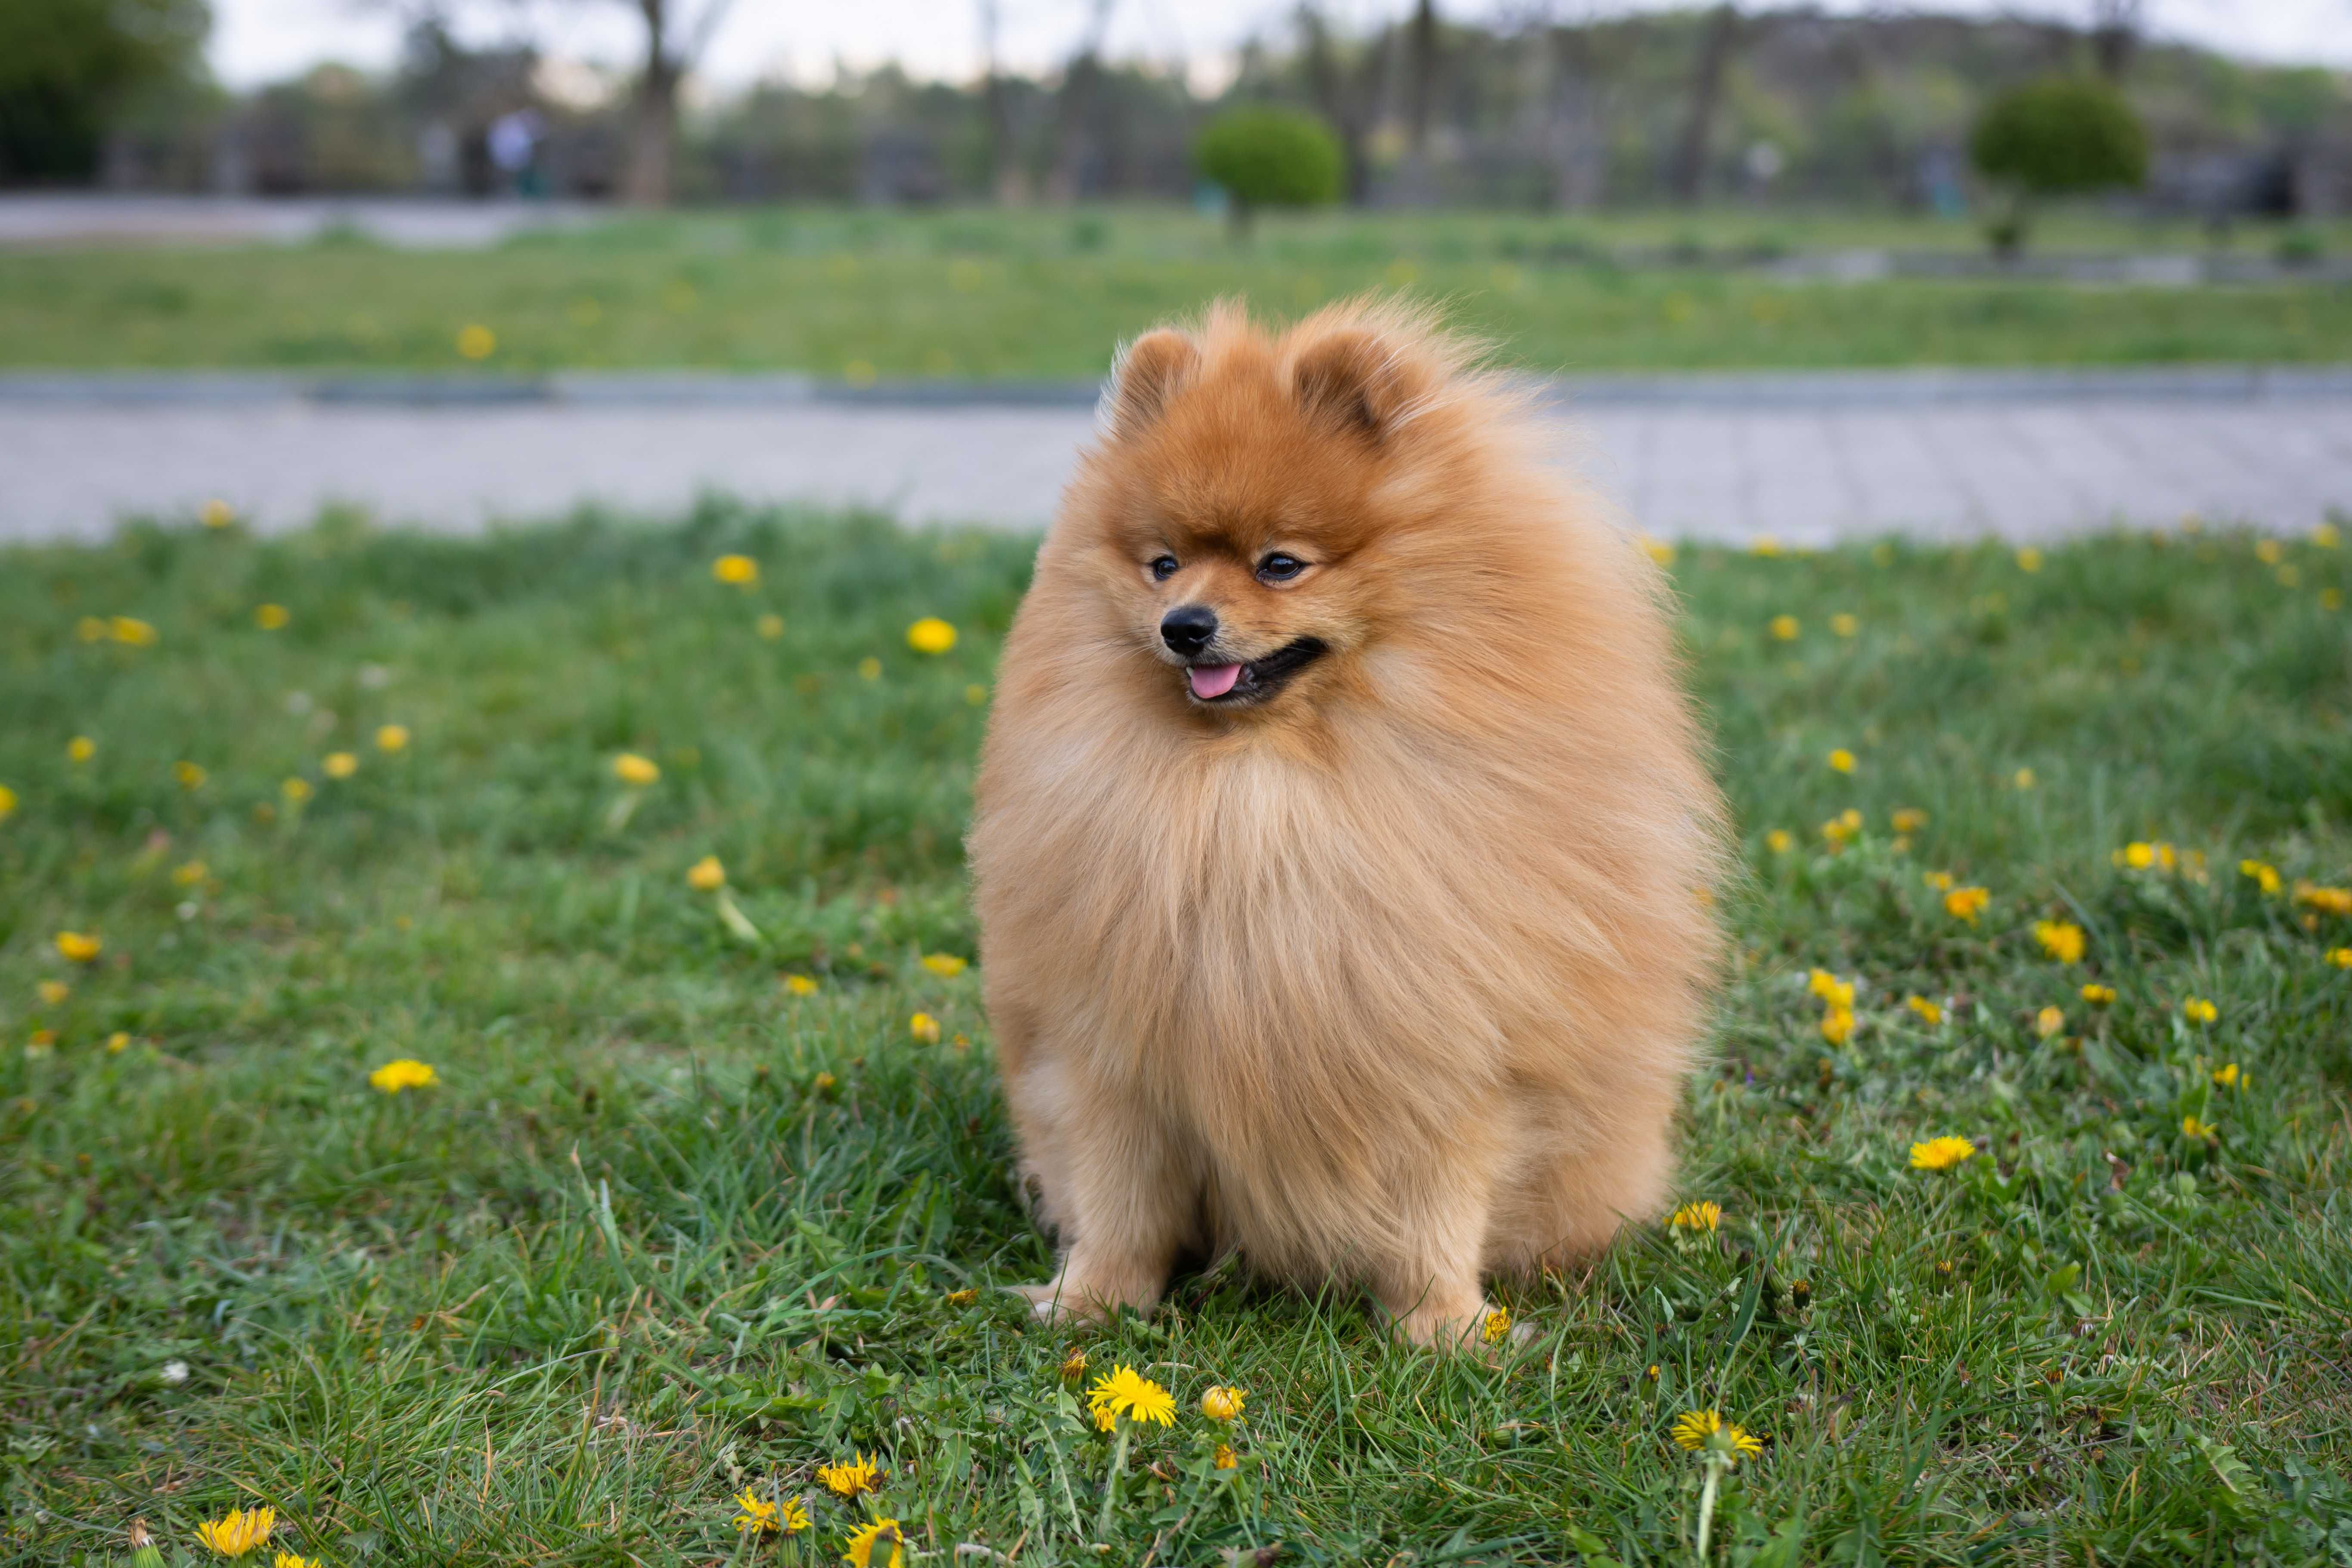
1279	568
1163	567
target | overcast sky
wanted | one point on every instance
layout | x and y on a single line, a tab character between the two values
262	40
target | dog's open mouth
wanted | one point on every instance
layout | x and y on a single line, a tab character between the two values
1237	685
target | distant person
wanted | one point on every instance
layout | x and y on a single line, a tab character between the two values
514	141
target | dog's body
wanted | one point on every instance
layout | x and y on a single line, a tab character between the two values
1342	845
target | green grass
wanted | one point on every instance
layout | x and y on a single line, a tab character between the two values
1044	294
664	1228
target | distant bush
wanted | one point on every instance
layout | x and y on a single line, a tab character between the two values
2056	137
1269	158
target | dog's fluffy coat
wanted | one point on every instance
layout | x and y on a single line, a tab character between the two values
1395	974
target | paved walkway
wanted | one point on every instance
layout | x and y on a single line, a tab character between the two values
1808	460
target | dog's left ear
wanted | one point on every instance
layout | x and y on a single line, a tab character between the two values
1355	381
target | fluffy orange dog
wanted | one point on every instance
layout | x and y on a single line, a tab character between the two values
1342	840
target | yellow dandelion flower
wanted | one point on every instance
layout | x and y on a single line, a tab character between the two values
2326	900
738	571
800	984
1224	1402
1784	627
2266	877
2029	559
2227	1076
859	1550
945	965
1764	544
1074	1365
270	618
406	1072
191	775
1778	841
130	631
1837	1025
2269	551
1841	760
1697	1429
296	790
976	695
756	1514
869	668
1965	903
930	634
1845	626
2022	778
216	513
41	1042
924	1027
1658	550
1909	819
79	947
294	1560
238	1531
2062	940
963	1297
1830	989
190	873
635	771
1705	1215
2200	1011
854	1477
340	765
53	991
1940	1153
1928	1012
1125	1392
477	341
2048	1021
118	1042
769	627
2341	957
1224	1457
2099	995
80	748
1497	1326
705	874
2326	536
391	738
2138	855
822	1083
2196	1131
1939	881
7	802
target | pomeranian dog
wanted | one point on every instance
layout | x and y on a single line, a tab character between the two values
1342	844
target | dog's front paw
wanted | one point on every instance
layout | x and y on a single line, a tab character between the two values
1054	1302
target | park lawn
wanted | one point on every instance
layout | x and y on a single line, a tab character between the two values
986	295
672	1223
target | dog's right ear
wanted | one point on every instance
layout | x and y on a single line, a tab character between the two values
1151	371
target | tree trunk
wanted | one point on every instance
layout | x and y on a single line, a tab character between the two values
1081	91
1421	79
1326	81
2114	34
653	131
1578	160
1689	180
1004	173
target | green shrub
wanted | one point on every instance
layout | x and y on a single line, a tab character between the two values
2055	137
1269	157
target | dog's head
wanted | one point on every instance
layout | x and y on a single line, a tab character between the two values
1241	517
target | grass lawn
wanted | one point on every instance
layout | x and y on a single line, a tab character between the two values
693	1209
987	294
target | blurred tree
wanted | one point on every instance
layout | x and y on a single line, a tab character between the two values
67	67
2055	137
2114	32
1721	32
1269	157
672	45
1345	90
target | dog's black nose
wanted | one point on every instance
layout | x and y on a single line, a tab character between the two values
1187	628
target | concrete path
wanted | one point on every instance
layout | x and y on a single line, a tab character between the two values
1806	459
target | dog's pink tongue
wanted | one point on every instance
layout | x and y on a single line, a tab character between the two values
1213	679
